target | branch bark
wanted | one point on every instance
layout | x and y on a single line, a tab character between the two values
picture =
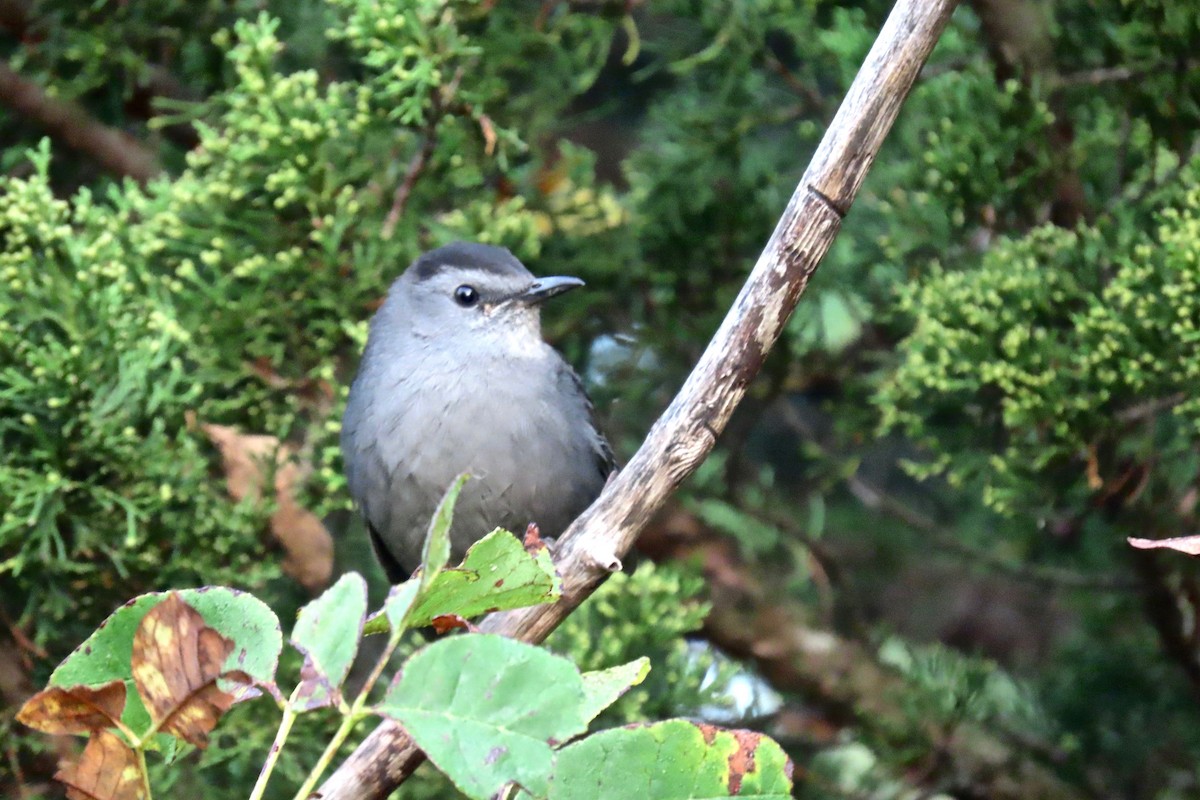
686	432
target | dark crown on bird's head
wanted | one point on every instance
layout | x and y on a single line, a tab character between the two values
469	255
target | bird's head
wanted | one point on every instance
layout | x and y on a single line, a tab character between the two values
475	291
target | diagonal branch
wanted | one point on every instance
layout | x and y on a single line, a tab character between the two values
115	151
683	436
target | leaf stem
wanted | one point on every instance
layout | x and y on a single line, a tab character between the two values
380	665
335	744
281	735
141	757
349	719
135	741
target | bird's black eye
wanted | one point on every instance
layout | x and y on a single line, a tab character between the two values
466	296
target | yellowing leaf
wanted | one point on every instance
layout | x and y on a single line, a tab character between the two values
75	709
177	659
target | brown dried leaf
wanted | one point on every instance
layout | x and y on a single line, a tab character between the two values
489	134
248	458
107	770
306	543
176	661
1184	544
1187	503
1094	481
245	457
75	709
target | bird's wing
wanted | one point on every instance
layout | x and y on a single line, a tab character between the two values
395	572
369	476
604	459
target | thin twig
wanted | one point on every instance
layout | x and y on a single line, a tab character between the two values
798	86
874	498
25	645
14	765
1150	408
1167	612
1101	75
416	165
351	716
839	678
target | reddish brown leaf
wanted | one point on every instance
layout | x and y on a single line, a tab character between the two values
1184	544
107	770
248	459
533	539
75	709
448	622
741	761
177	659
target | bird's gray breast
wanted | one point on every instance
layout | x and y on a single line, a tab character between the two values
520	426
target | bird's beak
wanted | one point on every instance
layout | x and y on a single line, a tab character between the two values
545	288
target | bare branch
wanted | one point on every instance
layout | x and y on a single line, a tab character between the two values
1149	408
416	166
115	151
1169	603
686	432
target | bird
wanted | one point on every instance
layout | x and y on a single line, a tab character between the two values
456	377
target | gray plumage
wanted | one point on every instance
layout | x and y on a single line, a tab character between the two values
456	378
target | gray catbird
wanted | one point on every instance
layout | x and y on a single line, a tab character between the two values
456	378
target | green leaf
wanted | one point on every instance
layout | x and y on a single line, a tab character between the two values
437	540
327	634
488	710
672	760
497	574
603	687
105	655
399	602
841	318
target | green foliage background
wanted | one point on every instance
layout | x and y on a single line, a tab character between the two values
1009	316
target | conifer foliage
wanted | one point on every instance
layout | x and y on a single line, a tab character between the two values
907	560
